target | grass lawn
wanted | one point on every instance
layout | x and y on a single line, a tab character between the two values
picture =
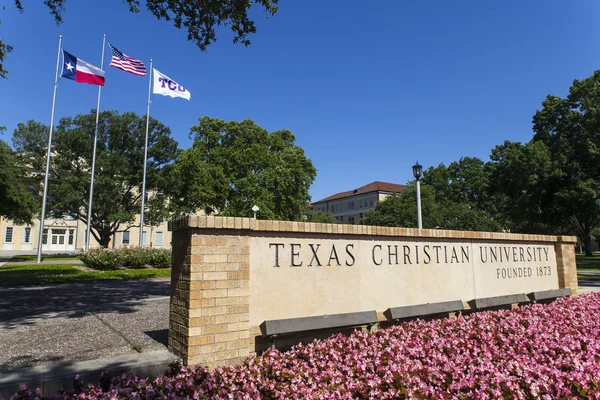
588	277
45	257
36	274
591	264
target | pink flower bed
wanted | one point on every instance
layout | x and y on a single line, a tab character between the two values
538	351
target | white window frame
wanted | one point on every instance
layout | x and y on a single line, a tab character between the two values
157	242
144	238
27	234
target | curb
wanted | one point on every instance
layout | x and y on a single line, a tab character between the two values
51	378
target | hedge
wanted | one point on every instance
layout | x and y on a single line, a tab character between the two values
131	257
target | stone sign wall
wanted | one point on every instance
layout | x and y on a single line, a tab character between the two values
232	274
316	276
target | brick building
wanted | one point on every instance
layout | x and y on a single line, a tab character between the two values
349	207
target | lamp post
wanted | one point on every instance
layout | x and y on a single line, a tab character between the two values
418	172
255	209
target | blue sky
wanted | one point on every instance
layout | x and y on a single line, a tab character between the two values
367	87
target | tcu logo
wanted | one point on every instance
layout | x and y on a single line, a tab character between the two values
172	85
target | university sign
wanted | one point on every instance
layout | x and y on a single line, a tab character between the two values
238	284
343	276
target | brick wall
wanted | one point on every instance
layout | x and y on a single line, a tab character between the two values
566	263
210	301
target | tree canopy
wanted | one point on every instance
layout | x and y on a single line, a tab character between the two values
19	202
199	18
320	216
119	167
438	210
570	128
238	165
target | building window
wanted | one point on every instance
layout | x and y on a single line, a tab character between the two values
8	237
350	205
341	207
351	220
27	235
361	215
372	201
332	208
125	239
145	237
71	236
159	238
45	237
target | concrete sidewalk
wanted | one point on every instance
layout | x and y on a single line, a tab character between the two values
47	332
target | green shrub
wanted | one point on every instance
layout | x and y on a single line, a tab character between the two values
133	257
103	259
130	257
160	258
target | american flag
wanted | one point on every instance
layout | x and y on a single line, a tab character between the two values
127	64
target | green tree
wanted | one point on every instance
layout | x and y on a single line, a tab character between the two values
119	167
570	128
199	18
18	200
401	209
320	216
437	212
237	165
523	187
462	182
461	195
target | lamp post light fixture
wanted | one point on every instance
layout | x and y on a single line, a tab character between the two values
255	209
418	172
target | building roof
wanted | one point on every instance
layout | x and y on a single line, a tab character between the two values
369	188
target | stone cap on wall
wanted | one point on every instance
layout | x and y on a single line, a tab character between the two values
251	224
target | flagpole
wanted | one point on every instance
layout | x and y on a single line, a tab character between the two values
89	219
43	216
145	158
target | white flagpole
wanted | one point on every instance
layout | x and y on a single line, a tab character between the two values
145	159
43	216
89	219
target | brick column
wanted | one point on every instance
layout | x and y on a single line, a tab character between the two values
210	292
566	263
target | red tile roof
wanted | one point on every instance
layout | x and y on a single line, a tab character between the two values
371	187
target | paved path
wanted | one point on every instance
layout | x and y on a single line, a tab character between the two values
588	273
26	304
75	322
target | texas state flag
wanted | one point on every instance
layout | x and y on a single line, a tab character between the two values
81	71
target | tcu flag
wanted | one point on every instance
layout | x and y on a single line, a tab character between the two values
167	86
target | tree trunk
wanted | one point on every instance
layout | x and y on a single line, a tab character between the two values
104	234
587	243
